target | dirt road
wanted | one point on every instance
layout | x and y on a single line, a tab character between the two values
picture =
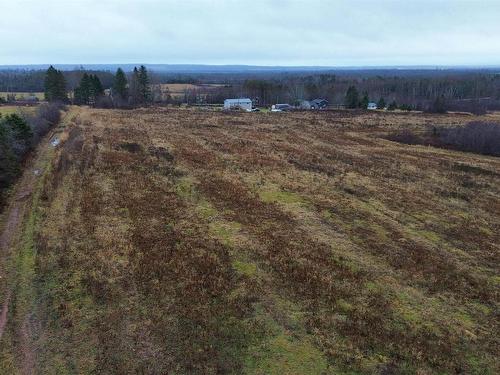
14	218
11	228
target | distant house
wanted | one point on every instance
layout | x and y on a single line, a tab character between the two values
238	104
371	106
318	103
32	98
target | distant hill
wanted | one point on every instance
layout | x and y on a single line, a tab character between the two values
232	69
173	68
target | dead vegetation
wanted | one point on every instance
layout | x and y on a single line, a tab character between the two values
179	241
479	137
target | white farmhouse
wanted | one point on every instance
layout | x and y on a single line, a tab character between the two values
238	104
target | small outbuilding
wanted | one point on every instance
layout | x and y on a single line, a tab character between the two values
372	106
245	104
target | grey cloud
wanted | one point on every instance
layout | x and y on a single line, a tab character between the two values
314	32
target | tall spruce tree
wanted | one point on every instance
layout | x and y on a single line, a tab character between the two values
50	83
82	92
55	85
120	91
96	89
134	87
143	80
352	98
364	101
89	90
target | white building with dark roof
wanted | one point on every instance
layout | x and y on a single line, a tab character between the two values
244	103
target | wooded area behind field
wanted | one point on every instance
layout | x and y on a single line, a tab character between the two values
469	90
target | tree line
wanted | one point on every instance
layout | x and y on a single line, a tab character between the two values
471	92
467	90
353	100
34	80
124	91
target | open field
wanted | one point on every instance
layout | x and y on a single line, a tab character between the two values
177	90
8	109
22	95
191	242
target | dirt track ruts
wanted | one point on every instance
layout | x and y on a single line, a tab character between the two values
15	213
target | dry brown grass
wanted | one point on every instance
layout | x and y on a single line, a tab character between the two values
182	241
177	90
22	95
8	109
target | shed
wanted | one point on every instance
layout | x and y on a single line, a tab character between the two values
244	103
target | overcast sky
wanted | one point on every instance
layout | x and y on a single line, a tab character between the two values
256	32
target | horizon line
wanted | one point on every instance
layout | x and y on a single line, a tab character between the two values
325	67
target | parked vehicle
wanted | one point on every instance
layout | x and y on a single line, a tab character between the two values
281	107
318	103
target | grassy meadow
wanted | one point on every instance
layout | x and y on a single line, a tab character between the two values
22	95
9	109
178	90
191	242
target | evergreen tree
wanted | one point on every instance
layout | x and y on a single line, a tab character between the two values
50	80
20	133
143	80
96	89
83	91
392	106
364	101
55	85
381	103
61	93
9	165
89	90
20	129
120	90
352	98
134	87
